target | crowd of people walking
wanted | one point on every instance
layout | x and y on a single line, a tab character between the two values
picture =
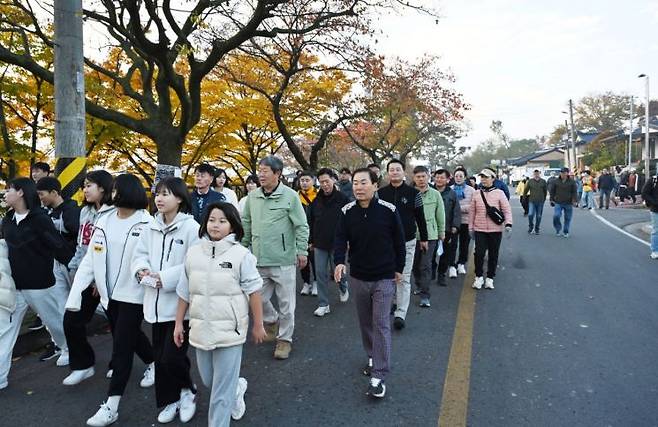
199	263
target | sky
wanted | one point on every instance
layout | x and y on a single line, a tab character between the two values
520	61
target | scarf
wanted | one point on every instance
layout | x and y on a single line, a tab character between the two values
459	190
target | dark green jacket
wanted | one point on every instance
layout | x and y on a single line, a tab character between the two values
536	190
563	192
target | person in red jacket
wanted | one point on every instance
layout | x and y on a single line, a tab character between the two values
486	232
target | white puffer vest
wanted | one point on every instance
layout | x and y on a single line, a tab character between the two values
7	286
219	310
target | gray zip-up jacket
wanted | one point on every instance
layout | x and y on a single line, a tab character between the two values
453	211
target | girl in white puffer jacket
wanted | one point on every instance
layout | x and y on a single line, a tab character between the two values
7	299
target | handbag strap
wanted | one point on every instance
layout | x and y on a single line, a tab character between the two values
484	199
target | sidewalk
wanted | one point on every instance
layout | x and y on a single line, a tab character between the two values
631	218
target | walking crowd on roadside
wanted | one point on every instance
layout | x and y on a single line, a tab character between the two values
197	265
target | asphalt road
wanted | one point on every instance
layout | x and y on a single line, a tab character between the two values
567	338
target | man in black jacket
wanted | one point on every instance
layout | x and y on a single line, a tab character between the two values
563	195
409	204
650	197
373	230
323	214
453	222
606	185
203	194
33	244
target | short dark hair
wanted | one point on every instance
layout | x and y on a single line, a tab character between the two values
421	169
393	161
274	163
104	180
252	178
442	172
130	192
342	170
372	165
371	174
330	172
41	166
205	168
306	173
29	189
231	214
49	183
178	188
462	169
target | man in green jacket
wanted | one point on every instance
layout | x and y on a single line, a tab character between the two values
275	227
536	190
435	220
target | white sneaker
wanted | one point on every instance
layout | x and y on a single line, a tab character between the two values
4	385
479	281
314	289
187	406
109	374
321	311
63	359
104	417
344	296
452	272
78	376
168	414
240	407
461	269
149	376
488	283
654	255
306	289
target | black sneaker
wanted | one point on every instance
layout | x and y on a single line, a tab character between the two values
377	391
398	323
367	370
50	352
530	230
441	279
393	308
36	325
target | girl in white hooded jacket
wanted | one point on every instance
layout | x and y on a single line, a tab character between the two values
7	302
158	263
108	263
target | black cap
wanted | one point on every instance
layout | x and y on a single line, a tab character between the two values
564	170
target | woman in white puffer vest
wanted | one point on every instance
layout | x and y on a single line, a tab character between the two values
158	263
219	284
7	302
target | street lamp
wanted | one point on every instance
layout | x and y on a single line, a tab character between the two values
647	165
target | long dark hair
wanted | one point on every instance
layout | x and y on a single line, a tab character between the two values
29	189
178	188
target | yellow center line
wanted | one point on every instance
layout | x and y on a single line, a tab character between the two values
453	411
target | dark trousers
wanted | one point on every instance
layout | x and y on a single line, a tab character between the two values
81	354
449	252
128	340
306	271
604	195
422	268
525	203
463	241
487	242
172	366
373	306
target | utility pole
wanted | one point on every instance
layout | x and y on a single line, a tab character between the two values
70	127
647	160
573	137
630	135
566	127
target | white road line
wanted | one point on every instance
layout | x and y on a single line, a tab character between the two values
611	225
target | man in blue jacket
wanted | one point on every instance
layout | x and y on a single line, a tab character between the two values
203	194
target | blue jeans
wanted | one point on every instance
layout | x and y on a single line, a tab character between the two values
324	269
654	231
588	199
535	211
557	215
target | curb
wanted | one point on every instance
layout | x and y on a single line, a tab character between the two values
646	228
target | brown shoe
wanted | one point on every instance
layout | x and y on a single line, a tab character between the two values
272	330
282	350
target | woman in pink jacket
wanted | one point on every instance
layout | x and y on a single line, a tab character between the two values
487	233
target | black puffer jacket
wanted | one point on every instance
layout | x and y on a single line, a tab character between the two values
650	194
33	245
323	215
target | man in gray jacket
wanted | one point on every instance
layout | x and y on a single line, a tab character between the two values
453	222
